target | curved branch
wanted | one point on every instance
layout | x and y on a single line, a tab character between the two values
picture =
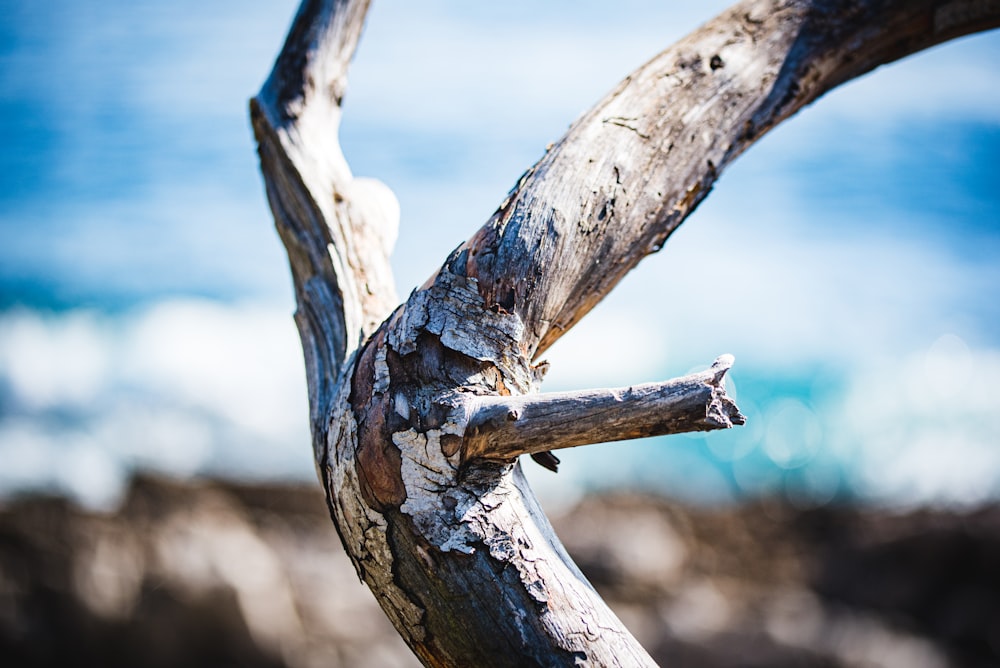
338	230
633	168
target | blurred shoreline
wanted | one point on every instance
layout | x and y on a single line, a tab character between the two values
189	387
209	572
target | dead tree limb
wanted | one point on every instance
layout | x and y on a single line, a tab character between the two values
505	427
410	412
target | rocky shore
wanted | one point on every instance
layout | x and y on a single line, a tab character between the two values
223	574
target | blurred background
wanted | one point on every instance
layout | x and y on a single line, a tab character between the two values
145	307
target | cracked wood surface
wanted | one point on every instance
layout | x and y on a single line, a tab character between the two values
434	514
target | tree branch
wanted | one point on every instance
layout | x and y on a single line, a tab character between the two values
437	520
502	428
633	168
338	230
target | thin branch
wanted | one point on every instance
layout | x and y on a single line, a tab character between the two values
312	66
338	230
504	427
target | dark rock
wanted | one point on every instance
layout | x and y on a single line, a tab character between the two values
215	573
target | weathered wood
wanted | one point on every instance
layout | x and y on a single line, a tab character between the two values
451	542
630	170
502	428
338	230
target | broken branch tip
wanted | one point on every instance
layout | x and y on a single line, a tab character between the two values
724	362
720	366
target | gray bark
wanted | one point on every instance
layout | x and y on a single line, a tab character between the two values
504	427
418	415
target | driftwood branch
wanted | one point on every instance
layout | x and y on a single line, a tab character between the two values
503	428
338	230
409	409
629	171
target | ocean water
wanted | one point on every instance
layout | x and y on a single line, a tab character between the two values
849	260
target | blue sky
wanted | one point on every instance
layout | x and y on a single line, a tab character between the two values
145	298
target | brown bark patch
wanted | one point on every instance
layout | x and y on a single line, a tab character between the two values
378	460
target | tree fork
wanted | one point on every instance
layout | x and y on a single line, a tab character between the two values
409	409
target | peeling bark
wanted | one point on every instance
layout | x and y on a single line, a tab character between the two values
418	416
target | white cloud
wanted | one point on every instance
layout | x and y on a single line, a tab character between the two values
63	459
54	361
242	363
923	427
182	387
